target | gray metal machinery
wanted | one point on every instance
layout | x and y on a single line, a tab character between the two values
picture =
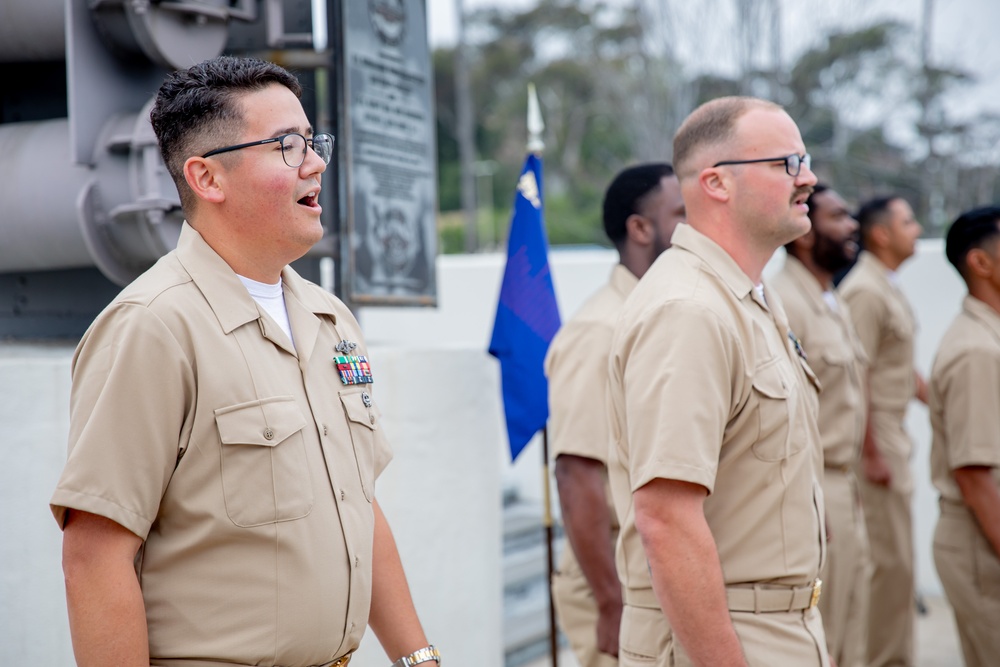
86	203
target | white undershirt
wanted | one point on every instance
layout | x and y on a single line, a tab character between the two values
272	299
831	301
759	288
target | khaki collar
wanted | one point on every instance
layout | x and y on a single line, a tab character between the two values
226	295
980	311
807	284
622	280
690	239
869	263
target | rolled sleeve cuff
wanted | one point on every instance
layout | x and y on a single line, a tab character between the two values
64	500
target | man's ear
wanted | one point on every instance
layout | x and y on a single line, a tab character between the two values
206	179
639	229
715	184
980	263
878	235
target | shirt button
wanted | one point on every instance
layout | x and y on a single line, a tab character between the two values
324	429
371	418
342	495
357	562
268	433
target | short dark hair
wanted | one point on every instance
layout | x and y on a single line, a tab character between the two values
627	194
971	230
818	189
712	123
197	109
874	212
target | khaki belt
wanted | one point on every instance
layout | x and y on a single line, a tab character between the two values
761	600
954	508
843	467
751	598
339	662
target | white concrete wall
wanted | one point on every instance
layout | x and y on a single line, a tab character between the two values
34	403
440	395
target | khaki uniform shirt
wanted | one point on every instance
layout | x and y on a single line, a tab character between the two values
244	463
707	387
577	369
965	398
886	328
836	356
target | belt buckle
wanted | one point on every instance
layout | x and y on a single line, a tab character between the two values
817	592
341	662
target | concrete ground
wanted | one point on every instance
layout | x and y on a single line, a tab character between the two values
937	641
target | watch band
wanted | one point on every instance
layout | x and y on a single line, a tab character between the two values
422	655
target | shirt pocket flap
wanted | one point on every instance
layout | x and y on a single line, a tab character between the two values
361	409
768	381
266	422
836	355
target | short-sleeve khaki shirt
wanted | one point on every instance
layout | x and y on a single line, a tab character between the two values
242	461
886	328
707	387
577	369
965	398
834	353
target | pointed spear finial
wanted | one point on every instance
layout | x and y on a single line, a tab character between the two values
535	123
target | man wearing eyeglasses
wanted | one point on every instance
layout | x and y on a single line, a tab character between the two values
714	406
218	501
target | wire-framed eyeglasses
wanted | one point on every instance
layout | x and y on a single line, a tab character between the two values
793	162
293	147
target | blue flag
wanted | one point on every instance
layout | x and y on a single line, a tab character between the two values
527	315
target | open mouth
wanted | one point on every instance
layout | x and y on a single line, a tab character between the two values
311	200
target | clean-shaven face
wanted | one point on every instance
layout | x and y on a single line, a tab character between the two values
269	204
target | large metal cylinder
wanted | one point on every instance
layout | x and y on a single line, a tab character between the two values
32	31
40	188
91	189
120	215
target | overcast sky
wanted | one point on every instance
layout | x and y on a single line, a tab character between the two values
964	32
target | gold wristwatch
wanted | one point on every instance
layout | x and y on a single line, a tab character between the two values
425	654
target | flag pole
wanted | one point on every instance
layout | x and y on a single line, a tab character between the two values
535	145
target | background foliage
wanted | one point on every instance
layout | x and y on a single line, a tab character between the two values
870	105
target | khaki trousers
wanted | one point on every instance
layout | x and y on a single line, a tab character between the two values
769	639
888	516
844	604
576	611
777	639
644	638
970	574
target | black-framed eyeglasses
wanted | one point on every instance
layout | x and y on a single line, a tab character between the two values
793	162
293	147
